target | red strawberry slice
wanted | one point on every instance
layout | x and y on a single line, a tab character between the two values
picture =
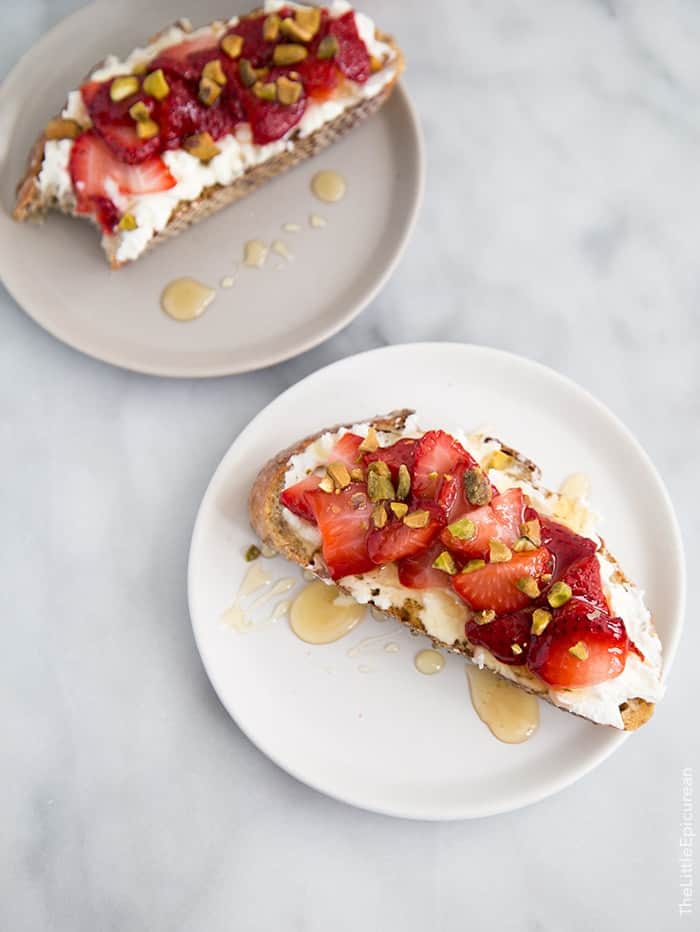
93	164
500	520
563	544
398	454
188	58
439	462
418	572
352	57
578	625
583	577
494	586
347	450
255	48
123	140
114	124
344	521
396	539
499	636
320	78
296	499
270	120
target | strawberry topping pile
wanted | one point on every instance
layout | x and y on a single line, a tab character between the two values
532	586
263	72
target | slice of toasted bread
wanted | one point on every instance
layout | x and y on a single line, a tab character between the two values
268	519
34	200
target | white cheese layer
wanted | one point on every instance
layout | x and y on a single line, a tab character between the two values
443	614
238	152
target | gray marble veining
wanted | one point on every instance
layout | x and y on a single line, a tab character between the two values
561	221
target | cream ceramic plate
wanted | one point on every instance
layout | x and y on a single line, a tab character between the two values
366	727
58	274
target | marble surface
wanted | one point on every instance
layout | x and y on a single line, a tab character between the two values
561	221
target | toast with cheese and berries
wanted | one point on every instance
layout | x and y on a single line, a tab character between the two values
199	118
455	536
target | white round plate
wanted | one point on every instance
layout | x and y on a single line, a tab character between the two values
57	272
389	739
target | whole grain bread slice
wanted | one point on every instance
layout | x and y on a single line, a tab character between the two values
33	203
268	521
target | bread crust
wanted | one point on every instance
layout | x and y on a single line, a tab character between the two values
267	519
30	202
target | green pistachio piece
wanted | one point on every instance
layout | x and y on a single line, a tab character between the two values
477	487
559	594
464	529
445	563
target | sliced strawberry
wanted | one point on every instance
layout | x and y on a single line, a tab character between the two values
600	641
418	572
182	114
499	636
296	497
500	520
115	125
343	520
188	58
396	539
93	165
583	577
439	462
494	586
123	140
88	91
270	120
347	450
255	48
397	454
352	57
563	544
320	78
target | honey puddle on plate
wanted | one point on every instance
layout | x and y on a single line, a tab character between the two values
328	186
321	614
511	714
429	661
186	298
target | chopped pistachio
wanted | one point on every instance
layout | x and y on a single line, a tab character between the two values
327	48
540	619
546	578
529	586
485	617
232	45
477	487
533	531
499	552
445	563
370	442
61	128
271	27
464	529
579	650
379	487
201	146
309	18
326	484
294	30
416	519
340	474
517	649
400	509
357	475
433	475
358	500
127	222
379	515
155	85
559	594
252	553
403	486
288	92
265	91
288	54
209	91
214	71
381	468
139	112
522	544
473	565
123	87
147	129
247	73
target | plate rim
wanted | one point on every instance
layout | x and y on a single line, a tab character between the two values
8	111
547	789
